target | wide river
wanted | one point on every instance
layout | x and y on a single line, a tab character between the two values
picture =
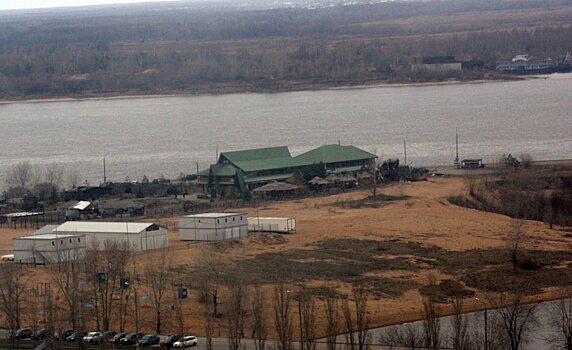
169	135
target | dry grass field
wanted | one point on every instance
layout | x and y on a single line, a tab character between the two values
392	245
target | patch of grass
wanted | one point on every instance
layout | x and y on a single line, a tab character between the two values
349	260
369	202
227	244
446	291
269	239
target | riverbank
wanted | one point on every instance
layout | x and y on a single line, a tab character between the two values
246	89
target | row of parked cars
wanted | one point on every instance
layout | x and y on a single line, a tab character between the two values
110	337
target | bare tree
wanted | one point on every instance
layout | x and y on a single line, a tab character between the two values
561	324
349	325
283	317
515	241
259	331
459	323
407	336
66	277
20	176
108	277
515	319
157	277
12	284
53	175
235	310
209	274
361	295
209	316
332	319
307	319
73	178
178	308
431	323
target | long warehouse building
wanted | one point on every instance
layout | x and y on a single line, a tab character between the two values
140	235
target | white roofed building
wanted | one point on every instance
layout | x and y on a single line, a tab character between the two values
49	248
213	226
140	236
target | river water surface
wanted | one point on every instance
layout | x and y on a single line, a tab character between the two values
168	135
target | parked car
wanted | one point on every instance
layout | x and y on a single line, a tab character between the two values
190	340
75	336
149	339
40	334
63	334
131	339
93	337
24	333
169	341
116	339
107	336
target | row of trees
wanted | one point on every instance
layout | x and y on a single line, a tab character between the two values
42	182
109	289
119	53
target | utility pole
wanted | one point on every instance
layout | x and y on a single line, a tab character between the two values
405	150
456	149
104	174
197	167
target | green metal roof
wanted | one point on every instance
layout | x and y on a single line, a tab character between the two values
333	154
256	154
261	159
269	164
223	169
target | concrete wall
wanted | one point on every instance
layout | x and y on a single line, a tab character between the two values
213	228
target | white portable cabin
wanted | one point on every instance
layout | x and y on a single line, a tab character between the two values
268	224
213	226
49	248
139	235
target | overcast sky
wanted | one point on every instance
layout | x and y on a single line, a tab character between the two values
30	4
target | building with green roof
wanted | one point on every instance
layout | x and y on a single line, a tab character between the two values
241	171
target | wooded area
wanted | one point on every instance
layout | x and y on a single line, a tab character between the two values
160	48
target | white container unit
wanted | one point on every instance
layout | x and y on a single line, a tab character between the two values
213	226
49	248
267	224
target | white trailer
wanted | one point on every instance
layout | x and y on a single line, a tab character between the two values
49	248
213	226
139	235
268	224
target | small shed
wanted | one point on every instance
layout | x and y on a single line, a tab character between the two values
272	224
49	248
213	226
139	235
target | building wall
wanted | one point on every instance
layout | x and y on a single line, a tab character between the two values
213	229
49	251
141	241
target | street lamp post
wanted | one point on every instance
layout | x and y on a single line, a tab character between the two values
486	324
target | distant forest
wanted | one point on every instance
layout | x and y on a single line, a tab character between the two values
170	48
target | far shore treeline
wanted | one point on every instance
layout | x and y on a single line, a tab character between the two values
169	48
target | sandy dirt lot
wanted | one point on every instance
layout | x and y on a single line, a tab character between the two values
415	233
